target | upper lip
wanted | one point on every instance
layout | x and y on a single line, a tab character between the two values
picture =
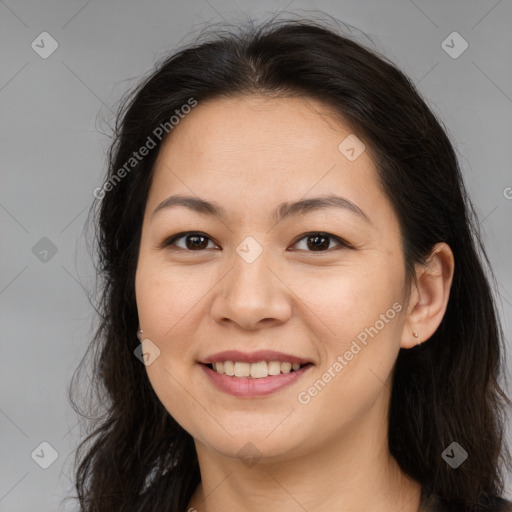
253	357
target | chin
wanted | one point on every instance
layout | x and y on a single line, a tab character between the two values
257	446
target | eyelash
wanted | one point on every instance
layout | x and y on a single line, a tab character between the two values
168	242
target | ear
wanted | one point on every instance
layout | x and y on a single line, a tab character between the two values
428	296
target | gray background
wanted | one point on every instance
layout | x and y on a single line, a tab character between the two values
54	125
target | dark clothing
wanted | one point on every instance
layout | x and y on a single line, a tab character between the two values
432	503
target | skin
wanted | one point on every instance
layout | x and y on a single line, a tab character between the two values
249	154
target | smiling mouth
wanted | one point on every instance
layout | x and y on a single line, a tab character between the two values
257	370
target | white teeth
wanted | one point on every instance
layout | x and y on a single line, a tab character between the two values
259	370
274	368
242	369
255	370
286	367
229	368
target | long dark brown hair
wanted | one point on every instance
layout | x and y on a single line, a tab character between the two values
135	456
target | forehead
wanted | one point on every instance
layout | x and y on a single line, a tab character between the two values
265	148
257	129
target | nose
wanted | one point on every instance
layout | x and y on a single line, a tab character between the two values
252	295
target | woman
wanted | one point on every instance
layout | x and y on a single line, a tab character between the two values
295	315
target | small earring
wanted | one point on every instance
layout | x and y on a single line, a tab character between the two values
415	334
139	334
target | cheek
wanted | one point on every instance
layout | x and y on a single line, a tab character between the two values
345	302
359	320
168	303
167	298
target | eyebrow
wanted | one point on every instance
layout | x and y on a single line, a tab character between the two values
283	211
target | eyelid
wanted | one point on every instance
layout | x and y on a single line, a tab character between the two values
170	240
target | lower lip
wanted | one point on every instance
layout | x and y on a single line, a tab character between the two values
247	387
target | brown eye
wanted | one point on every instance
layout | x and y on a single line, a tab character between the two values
193	241
196	242
320	242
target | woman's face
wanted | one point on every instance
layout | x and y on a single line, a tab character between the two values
322	285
